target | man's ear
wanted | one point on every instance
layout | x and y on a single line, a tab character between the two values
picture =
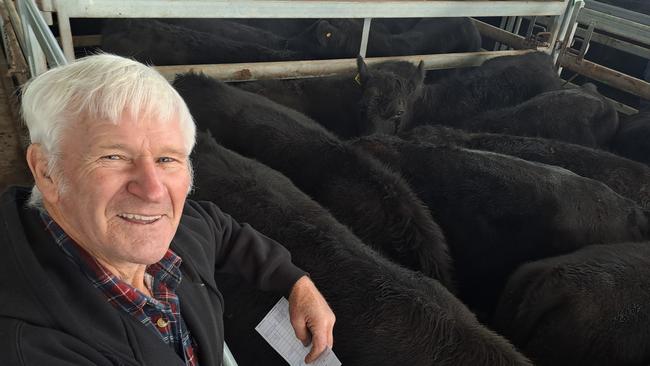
38	164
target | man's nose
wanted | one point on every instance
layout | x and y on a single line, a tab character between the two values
146	182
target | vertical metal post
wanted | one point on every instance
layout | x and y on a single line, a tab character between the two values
517	25
502	25
510	26
531	28
568	28
33	51
65	32
364	37
556	29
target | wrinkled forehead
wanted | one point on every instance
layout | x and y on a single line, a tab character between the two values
129	127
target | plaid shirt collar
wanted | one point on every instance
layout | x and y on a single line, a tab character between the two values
160	313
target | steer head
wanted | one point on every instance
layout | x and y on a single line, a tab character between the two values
389	92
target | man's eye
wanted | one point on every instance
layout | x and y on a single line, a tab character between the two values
166	159
111	157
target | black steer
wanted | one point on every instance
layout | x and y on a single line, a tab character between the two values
497	83
632	140
374	202
386	314
340	38
374	99
152	41
498	211
626	177
588	308
580	116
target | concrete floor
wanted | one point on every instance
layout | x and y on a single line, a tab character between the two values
13	169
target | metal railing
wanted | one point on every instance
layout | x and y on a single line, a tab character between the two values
561	10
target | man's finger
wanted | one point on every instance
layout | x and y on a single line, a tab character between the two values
302	333
317	347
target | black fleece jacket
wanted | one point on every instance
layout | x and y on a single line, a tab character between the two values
50	314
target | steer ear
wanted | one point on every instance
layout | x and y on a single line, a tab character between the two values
418	75
362	68
590	87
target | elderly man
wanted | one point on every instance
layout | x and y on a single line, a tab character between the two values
105	262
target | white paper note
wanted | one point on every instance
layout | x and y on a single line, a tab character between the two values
276	329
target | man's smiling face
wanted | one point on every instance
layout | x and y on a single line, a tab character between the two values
125	185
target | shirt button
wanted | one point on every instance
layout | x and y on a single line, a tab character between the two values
162	322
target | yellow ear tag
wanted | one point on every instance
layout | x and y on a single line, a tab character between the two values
358	79
328	34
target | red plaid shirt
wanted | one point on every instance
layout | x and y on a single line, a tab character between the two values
160	314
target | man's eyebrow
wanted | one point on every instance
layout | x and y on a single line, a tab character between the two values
113	147
163	150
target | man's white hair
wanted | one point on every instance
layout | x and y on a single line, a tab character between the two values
97	88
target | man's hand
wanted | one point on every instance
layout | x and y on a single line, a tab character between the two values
311	317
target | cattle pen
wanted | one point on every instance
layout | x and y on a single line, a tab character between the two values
41	34
30	46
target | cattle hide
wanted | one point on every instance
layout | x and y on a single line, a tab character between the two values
499	211
588	308
633	138
154	42
374	99
340	38
284	27
232	30
386	314
626	177
498	83
374	202
581	116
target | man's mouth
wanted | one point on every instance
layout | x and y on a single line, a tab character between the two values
139	219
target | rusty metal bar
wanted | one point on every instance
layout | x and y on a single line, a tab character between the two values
515	41
606	75
303	69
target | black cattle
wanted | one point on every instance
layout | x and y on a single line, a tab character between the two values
284	27
386	314
232	30
374	202
626	177
340	38
581	116
158	43
632	140
396	25
588	308
497	83
376	99
498	211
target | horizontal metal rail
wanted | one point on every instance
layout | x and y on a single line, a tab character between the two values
513	40
618	44
606	40
302	69
67	9
304	8
618	12
615	25
606	75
